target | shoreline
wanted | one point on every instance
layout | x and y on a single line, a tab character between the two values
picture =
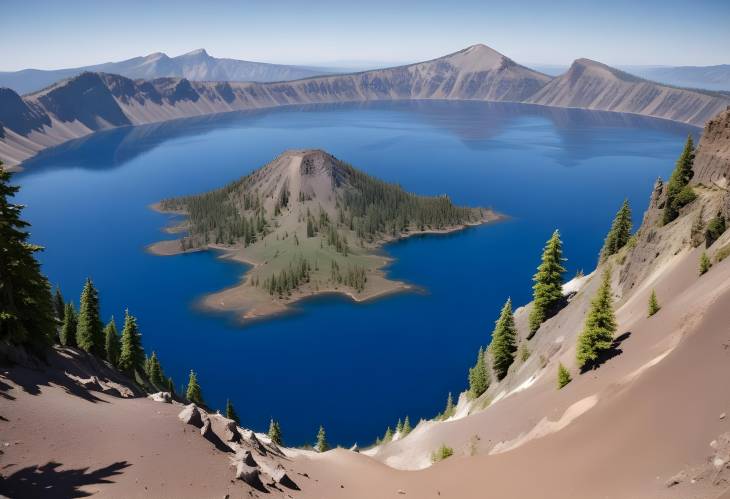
249	303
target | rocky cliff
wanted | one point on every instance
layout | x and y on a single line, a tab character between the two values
93	101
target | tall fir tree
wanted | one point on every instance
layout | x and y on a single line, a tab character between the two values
68	328
59	305
399	426
112	346
654	306
478	376
155	374
620	232
90	330
231	412
504	341
548	287
600	325
322	444
679	181
131	358
27	315
406	427
170	386
193	392
275	432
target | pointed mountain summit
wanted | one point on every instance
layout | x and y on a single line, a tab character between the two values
308	223
592	85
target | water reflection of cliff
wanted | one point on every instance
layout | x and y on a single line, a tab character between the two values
477	124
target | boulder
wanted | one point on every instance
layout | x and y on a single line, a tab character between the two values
249	474
231	433
256	444
191	415
279	475
212	437
165	397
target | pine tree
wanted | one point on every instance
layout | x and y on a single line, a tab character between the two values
111	344
388	435
478	376
170	386
679	181
193	393
653	304
155	374
90	331
322	445
705	263
27	315
450	408
399	426
406	427
58	304
231	412
600	325
131	358
620	232
548	288
504	341
68	328
275	432
563	376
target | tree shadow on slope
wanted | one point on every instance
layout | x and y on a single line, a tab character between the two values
49	482
607	355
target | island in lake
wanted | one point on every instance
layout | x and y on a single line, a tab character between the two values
308	223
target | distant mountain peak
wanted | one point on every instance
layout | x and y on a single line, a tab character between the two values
599	69
197	52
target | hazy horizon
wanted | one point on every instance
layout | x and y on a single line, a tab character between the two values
50	35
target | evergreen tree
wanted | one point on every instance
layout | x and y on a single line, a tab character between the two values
170	386
131	358
504	341
450	408
653	304
478	376
563	376
715	228
406	427
620	232
388	435
705	263
90	331
275	432
68	328
27	315
679	181
58	304
231	412
600	325
155	374
112	346
193	393
399	426
548	288
322	445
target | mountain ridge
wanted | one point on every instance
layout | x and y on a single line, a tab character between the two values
194	65
52	115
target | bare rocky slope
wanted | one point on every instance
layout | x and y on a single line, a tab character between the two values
592	85
95	101
650	421
196	65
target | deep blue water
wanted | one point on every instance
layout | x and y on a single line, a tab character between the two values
355	368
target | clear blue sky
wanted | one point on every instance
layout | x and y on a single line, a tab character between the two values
57	33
